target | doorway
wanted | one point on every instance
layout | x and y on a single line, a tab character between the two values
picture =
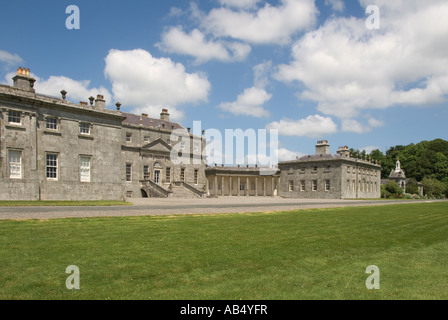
157	176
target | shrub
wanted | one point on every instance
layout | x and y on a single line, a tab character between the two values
393	189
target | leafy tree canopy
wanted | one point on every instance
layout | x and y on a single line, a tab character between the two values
426	159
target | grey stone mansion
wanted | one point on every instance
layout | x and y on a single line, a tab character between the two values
53	149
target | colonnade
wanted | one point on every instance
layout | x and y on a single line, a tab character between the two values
243	185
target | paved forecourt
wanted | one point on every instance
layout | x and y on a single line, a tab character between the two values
142	207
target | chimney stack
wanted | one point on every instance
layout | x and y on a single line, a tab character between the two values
23	80
344	151
165	116
100	103
322	147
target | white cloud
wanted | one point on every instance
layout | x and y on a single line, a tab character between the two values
269	24
263	160
352	125
314	126
175	12
336	5
140	80
261	74
10	58
288	155
8	78
76	90
249	103
154	111
374	123
347	69
175	40
243	4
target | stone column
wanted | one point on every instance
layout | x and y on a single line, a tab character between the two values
215	188
230	185
264	186
207	186
238	186
222	185
272	186
247	186
278	186
256	186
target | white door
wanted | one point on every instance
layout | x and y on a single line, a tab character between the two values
157	176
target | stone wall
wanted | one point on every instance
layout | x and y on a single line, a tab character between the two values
336	178
150	147
34	141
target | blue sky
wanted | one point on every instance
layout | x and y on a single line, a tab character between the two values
311	69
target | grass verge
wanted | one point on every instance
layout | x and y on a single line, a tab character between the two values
61	203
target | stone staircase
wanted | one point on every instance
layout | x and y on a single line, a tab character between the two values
185	190
153	190
178	189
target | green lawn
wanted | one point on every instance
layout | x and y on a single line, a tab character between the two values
308	254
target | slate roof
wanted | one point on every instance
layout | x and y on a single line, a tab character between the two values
133	119
244	170
398	174
323	157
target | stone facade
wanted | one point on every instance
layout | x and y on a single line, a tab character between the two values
41	147
329	176
52	149
147	154
241	181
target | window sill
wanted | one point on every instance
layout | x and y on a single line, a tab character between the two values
55	133
15	127
85	136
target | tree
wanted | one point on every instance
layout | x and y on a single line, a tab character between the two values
433	188
377	155
412	186
440	166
